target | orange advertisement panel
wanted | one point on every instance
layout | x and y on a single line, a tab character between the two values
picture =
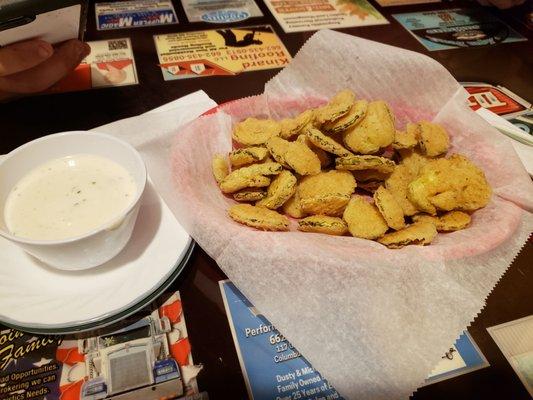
228	51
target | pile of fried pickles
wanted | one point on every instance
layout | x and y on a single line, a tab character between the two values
344	168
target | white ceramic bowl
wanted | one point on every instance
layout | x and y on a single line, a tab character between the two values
95	247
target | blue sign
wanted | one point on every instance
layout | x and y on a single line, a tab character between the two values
272	367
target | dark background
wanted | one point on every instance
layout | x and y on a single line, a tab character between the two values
509	65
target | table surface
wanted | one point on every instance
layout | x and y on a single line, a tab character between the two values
509	65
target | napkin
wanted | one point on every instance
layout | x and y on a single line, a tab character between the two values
373	321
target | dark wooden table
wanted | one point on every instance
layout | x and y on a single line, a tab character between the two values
509	65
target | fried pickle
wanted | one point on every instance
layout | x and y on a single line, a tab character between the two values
253	131
389	208
259	217
323	224
419	233
363	219
280	190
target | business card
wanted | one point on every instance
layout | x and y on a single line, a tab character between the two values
110	63
134	14
220	52
457	28
220	11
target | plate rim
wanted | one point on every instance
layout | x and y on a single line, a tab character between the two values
110	317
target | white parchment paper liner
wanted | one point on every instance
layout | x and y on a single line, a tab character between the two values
373	321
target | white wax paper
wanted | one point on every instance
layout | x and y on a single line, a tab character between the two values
373	321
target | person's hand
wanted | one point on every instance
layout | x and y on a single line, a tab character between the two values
34	65
501	4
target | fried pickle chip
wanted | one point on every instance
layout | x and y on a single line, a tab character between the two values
363	219
360	163
449	222
293	126
302	159
253	131
323	224
449	184
374	132
277	148
333	182
236	183
259	217
413	159
251	176
404	140
326	143
323	156
247	155
397	183
338	106
389	208
293	207
326	193
420	233
249	195
332	204
220	167
280	190
432	139
353	117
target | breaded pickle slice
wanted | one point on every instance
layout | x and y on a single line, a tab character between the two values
363	219
352	118
247	155
246	195
293	126
449	222
419	233
327	183
293	208
338	106
280	190
219	164
253	131
397	183
389	208
374	132
432	139
449	184
259	217
326	143
251	176
360	163
332	204
277	148
323	224
323	156
302	159
404	140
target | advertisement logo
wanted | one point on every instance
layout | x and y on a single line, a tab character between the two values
225	16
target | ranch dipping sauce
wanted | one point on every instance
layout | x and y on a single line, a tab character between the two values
68	197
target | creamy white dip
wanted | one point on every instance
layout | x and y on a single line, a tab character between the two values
68	197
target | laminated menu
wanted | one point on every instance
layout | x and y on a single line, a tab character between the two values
373	321
147	356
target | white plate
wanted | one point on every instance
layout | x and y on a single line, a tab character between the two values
38	298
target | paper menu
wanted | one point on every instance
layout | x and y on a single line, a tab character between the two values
515	340
311	15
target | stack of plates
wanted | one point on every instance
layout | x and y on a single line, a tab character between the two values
37	298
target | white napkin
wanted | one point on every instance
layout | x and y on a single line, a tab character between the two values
373	321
